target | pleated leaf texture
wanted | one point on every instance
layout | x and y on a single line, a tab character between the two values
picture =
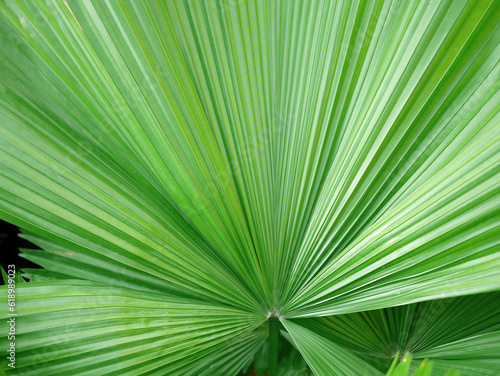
190	168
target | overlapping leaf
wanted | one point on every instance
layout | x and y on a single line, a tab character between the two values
325	357
240	157
79	327
439	330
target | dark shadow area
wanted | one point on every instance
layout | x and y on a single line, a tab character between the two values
10	243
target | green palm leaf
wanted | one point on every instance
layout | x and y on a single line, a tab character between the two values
325	357
191	169
80	327
440	330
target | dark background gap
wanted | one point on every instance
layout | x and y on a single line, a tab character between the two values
10	243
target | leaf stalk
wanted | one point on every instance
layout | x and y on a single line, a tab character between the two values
274	332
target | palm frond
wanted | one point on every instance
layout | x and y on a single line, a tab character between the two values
79	327
193	168
325	357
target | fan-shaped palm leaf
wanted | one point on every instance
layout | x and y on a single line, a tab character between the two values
193	168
